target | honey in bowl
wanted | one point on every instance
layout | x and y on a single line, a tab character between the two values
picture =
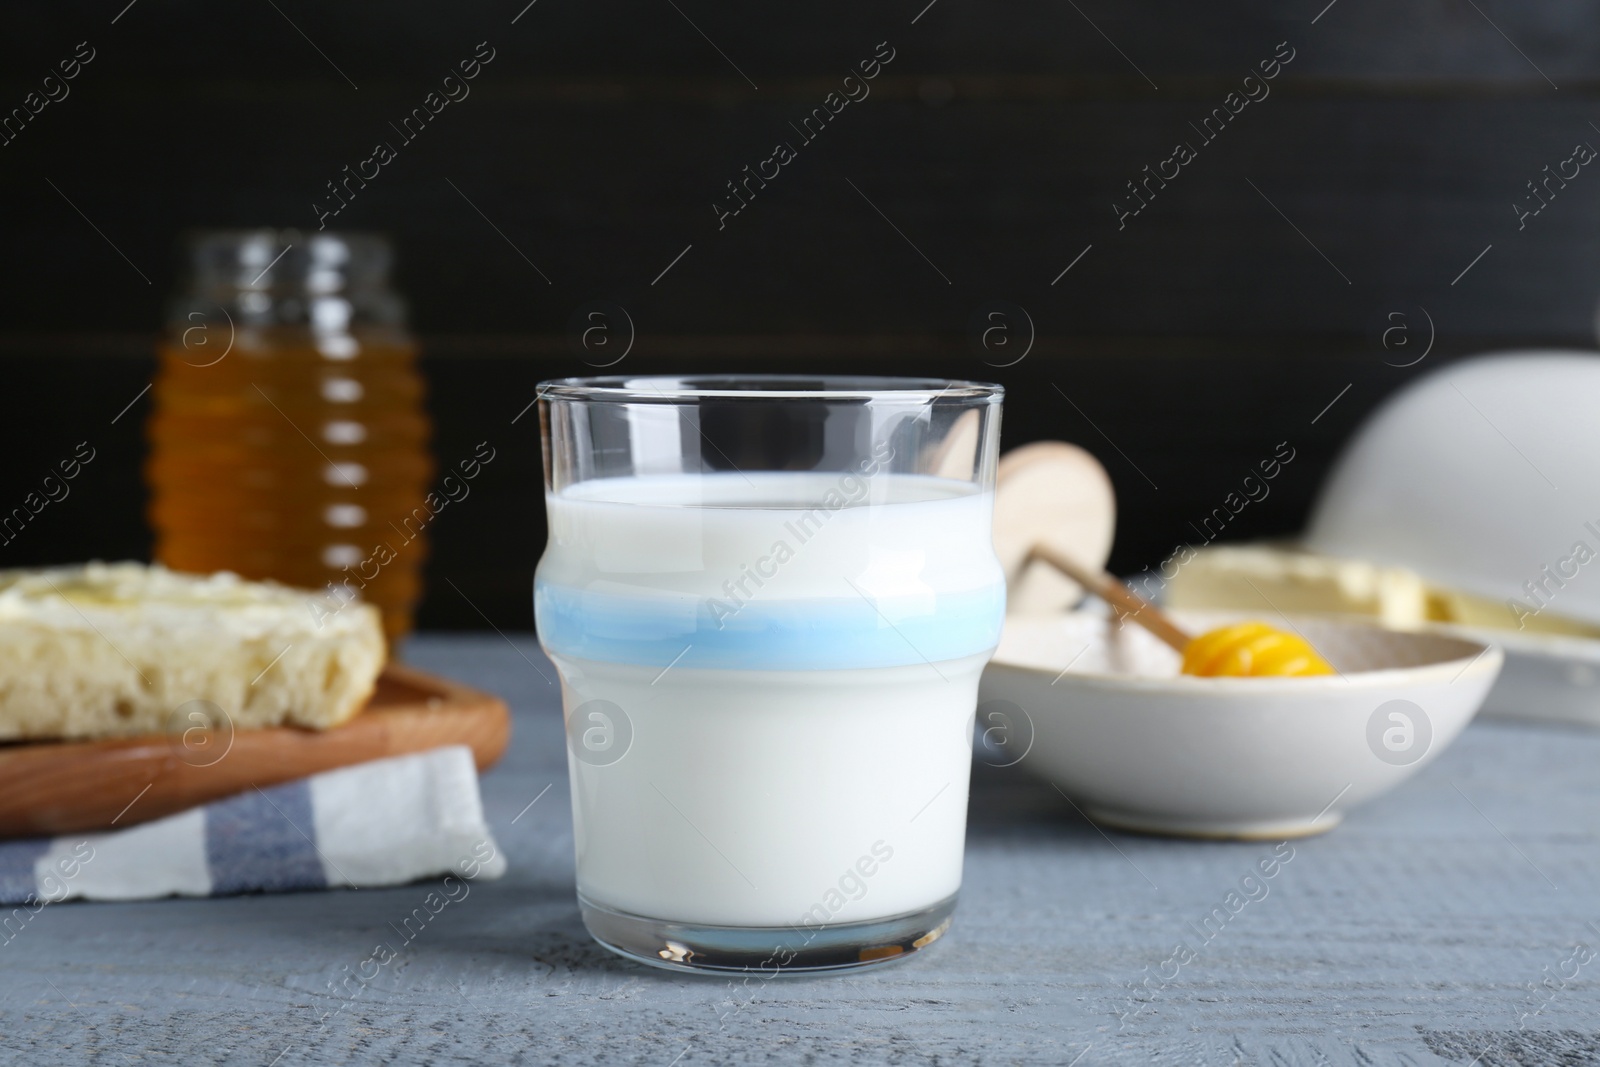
1252	650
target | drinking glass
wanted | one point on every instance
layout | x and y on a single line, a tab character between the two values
769	600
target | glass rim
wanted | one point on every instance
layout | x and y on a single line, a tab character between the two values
685	388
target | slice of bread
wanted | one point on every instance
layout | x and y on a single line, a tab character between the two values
105	650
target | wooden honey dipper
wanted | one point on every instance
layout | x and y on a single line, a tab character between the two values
1245	649
1054	506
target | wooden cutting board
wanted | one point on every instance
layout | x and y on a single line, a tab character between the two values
58	787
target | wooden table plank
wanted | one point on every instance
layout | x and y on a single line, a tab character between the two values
1409	935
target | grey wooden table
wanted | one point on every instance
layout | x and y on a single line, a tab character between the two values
1441	923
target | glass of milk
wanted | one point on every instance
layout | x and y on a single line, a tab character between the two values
769	600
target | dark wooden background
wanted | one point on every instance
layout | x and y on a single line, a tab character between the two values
1222	320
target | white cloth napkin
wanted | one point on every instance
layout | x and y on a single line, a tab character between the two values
387	822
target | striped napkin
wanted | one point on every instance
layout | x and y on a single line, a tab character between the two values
387	822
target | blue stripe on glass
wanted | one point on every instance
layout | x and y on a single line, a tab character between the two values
817	634
261	840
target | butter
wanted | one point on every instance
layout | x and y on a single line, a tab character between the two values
1266	577
1449	605
1269	576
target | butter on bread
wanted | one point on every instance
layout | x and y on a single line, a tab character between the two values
115	649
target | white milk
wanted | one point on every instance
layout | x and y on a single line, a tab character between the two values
798	674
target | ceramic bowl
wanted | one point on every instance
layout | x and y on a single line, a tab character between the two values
1138	746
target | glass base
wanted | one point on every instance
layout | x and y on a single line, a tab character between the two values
769	950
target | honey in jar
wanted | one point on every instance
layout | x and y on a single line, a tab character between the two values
288	438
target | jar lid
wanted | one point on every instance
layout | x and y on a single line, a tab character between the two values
289	260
